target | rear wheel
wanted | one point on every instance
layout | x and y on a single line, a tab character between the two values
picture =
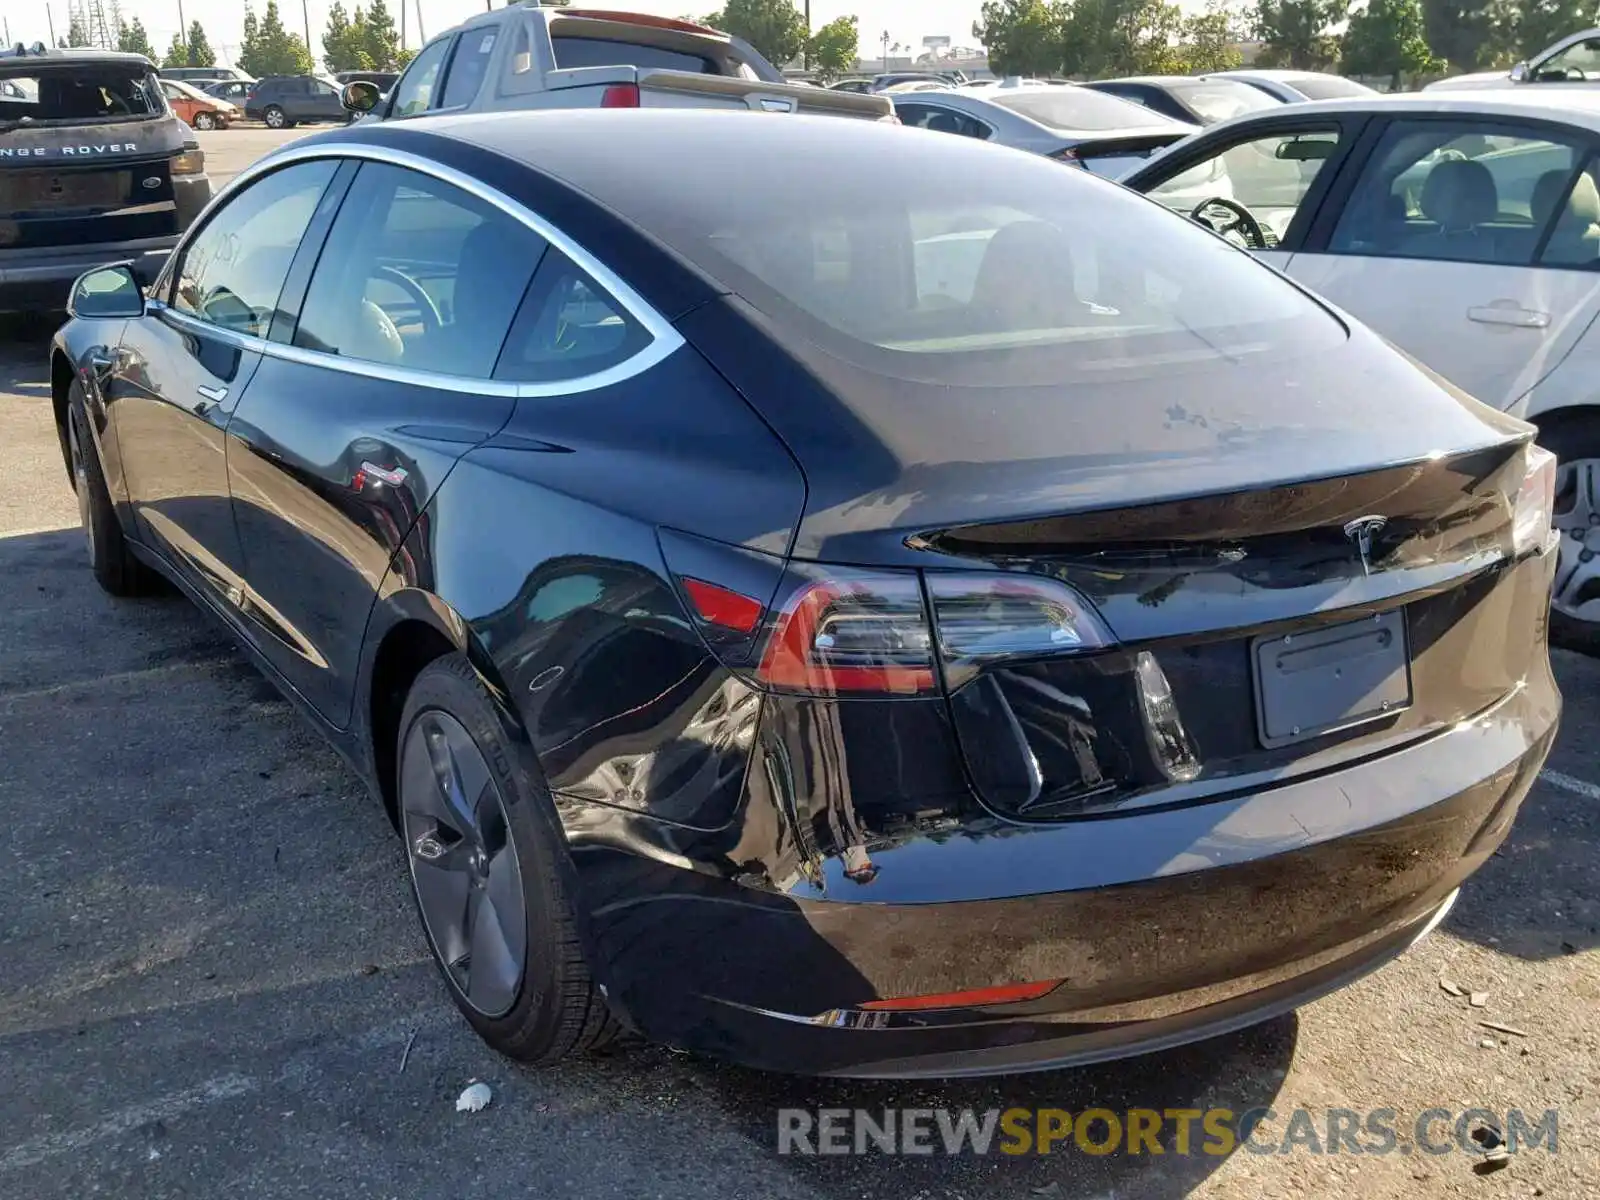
115	568
276	118
1575	597
490	876
204	121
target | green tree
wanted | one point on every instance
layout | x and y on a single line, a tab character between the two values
132	39
1211	39
1023	37
1297	33
77	32
1525	27
1463	32
269	48
1145	40
1386	38
177	54
200	52
774	27
344	41
380	39
834	47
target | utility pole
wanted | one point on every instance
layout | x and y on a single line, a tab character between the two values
51	17
422	34
305	16
805	46
402	24
183	32
885	40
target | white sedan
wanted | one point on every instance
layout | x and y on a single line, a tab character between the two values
1464	227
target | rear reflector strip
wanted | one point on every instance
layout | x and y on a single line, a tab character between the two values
719	606
621	95
1009	993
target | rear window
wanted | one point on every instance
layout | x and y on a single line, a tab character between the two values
1218	99
1075	108
1327	87
601	52
88	93
1015	270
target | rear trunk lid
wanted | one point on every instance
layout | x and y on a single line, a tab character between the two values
85	148
680	88
1114	157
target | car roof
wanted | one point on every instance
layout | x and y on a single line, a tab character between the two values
1572	105
599	153
76	54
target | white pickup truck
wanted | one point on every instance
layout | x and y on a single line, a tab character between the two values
526	56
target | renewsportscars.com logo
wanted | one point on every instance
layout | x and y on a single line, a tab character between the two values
1179	1131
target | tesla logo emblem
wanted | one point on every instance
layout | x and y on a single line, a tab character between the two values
1361	531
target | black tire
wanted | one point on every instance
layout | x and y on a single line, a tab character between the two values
558	1010
1574	439
115	568
204	121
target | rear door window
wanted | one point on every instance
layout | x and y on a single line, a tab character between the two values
940	119
417	274
232	270
1461	191
568	328
470	65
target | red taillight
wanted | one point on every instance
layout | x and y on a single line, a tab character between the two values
620	95
719	606
1009	993
852	631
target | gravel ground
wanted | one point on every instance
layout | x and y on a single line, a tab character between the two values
213	972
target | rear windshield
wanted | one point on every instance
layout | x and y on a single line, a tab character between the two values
600	52
1218	99
83	93
1075	108
1009	270
1327	87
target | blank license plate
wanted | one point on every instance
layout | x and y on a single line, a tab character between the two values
1309	684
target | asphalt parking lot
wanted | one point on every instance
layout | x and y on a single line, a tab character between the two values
215	984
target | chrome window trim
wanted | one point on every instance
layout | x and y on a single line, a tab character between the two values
665	340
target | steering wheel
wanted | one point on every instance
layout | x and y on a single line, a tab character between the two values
1244	222
429	311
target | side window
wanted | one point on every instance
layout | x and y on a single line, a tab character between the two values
941	120
1450	190
1270	176
234	268
417	274
569	327
1575	64
414	93
170	92
323	89
474	49
1574	239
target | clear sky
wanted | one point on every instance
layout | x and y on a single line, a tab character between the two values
906	21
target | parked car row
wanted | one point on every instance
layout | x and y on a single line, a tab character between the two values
855	630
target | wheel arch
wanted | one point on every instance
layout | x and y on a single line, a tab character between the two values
409	629
61	374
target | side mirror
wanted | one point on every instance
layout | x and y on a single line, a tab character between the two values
360	96
106	292
1519	73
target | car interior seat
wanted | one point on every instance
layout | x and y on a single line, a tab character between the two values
1459	196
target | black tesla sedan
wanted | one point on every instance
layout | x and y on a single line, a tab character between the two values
964	618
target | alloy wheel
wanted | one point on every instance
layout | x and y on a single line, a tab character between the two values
1576	593
80	482
274	118
204	121
463	863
